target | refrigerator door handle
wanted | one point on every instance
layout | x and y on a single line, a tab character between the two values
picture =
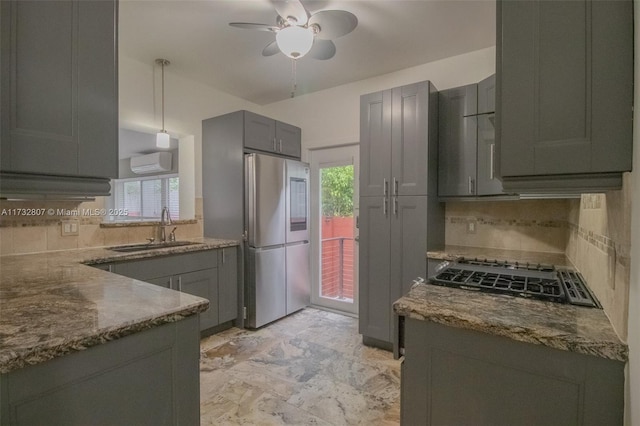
385	206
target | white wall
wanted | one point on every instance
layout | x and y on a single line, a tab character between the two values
332	117
329	117
633	383
187	103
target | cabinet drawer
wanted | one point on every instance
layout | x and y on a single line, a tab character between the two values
167	265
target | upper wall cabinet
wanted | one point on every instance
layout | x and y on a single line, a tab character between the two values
564	94
59	95
466	140
394	159
272	136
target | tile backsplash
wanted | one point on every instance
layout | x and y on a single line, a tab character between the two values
36	226
593	231
531	225
599	245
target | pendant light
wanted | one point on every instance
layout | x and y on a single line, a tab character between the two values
163	140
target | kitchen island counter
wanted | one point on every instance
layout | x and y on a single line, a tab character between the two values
53	304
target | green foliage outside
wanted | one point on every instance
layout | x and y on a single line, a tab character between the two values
337	191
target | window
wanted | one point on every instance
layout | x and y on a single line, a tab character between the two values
144	198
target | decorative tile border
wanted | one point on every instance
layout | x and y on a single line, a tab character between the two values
529	223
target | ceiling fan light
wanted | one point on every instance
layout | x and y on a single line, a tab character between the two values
163	140
295	42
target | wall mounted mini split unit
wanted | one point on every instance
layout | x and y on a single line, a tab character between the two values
158	162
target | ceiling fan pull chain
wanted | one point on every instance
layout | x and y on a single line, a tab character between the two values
294	85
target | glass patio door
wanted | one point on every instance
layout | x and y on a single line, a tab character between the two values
334	176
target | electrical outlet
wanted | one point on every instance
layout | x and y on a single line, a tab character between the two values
471	226
69	227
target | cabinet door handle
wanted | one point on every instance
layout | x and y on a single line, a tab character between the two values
492	155
471	185
386	187
280	146
385	206
395	187
171	283
180	283
395	206
223	257
274	143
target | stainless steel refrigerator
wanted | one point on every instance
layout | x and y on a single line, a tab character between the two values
277	224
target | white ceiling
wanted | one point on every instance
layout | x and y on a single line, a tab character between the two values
391	35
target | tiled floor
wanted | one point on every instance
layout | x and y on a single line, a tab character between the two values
307	369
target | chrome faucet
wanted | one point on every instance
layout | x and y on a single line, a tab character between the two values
165	220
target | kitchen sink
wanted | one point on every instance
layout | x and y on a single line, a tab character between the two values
150	246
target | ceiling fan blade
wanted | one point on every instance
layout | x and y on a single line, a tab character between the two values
271	49
333	23
322	49
293	8
251	26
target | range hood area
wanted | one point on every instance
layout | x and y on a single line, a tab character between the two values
24	186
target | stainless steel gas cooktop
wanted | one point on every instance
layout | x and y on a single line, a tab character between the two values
535	281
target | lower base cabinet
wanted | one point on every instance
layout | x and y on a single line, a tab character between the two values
147	378
452	376
210	274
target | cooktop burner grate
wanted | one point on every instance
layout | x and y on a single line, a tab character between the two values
543	282
499	282
508	265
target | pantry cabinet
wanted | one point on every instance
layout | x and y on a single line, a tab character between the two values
59	97
400	216
564	94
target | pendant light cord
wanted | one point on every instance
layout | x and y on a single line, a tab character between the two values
163	96
162	63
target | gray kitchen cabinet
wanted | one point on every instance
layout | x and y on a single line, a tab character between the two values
203	284
453	376
467	149
487	95
487	179
211	274
457	141
564	94
147	378
375	144
228	284
399	214
59	96
271	136
394	158
375	269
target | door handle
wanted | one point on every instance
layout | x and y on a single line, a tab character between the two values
280	146
385	206
492	154
274	143
180	283
395	206
386	187
223	257
471	185
395	187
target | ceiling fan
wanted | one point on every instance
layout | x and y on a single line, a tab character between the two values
299	32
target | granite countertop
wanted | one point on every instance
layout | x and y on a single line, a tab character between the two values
52	303
560	326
